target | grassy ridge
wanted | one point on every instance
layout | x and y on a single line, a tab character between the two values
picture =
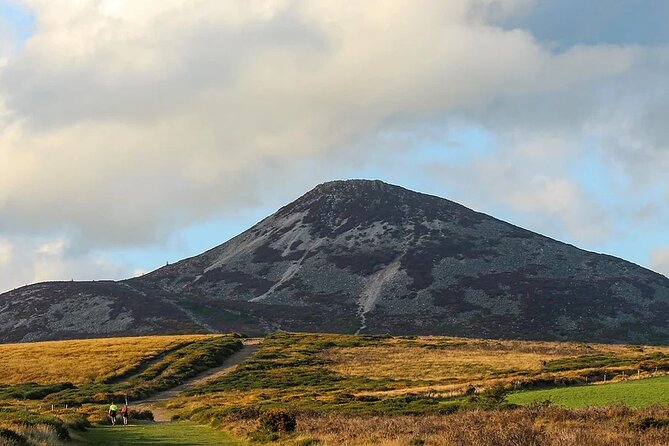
633	393
172	370
83	361
181	358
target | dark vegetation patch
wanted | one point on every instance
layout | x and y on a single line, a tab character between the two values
217	314
419	261
363	263
293	246
453	300
266	254
31	391
244	280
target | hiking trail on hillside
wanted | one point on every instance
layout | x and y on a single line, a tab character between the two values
156	403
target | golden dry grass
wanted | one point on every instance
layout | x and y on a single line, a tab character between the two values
449	363
613	426
82	361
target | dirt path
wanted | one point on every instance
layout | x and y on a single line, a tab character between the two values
156	403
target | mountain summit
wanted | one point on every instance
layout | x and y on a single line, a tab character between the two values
363	256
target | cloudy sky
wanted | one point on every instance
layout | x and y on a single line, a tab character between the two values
138	132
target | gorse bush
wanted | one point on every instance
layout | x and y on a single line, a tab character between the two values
141	415
277	420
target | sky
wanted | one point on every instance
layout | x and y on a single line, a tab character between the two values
135	133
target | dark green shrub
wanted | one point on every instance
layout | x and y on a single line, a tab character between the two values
278	420
244	413
416	441
76	421
141	415
495	394
14	437
650	423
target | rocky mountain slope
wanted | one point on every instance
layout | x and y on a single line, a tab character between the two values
365	257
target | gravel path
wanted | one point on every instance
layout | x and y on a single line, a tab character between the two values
156	403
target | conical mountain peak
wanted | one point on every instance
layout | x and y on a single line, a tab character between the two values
364	256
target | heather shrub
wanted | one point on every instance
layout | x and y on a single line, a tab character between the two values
277	420
141	415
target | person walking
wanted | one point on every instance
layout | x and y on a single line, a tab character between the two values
124	414
112	413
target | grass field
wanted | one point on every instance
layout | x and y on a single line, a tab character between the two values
399	376
177	434
633	393
132	367
82	361
354	390
447	363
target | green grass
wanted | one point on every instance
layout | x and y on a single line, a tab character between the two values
633	393
177	434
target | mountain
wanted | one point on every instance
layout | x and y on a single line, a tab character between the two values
363	256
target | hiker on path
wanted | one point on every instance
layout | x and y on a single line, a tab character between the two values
124	414
112	413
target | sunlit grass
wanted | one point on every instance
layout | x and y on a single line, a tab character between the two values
177	434
82	361
633	393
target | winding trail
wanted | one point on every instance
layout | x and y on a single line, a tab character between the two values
156	403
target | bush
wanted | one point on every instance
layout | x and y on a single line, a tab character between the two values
415	441
76	421
650	423
13	437
278	420
495	394
141	415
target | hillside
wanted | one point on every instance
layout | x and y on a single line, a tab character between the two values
341	389
365	257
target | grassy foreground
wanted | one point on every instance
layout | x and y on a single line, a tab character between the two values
178	434
634	393
350	390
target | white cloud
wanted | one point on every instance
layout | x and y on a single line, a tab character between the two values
6	252
659	261
122	121
529	181
50	249
24	261
129	119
